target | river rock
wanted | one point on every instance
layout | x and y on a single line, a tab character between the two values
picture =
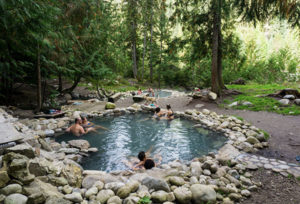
67	189
80	144
235	196
297	102
16	199
162	196
23	149
114	186
131	200
205	112
45	145
69	150
212	96
90	180
49	133
233	104
114	200
72	172
247	103
176	180
61	124
130	187
183	195
11	189
56	200
138	98
110	105
156	184
45	188
291	97
246	193
104	195
4	178
74	197
203	193
196	169
252	140
284	102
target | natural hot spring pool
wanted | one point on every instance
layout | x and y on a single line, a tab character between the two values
161	93
130	133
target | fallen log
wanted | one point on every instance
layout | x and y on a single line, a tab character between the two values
114	97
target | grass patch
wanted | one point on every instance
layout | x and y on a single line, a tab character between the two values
298	178
144	200
267	135
254	93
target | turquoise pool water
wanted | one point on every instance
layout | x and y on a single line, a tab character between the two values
131	133
161	93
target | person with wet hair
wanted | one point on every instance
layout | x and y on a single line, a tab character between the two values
158	113
169	113
76	129
149	164
87	124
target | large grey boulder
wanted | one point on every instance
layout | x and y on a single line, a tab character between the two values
203	194
156	184
4	178
16	199
23	149
11	189
45	188
80	144
183	195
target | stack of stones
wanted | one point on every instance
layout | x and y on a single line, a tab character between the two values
43	171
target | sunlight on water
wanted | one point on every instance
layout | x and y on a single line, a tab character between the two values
130	134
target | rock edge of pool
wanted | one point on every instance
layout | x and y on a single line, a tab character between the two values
44	171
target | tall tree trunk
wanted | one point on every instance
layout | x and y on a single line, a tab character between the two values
215	82
150	60
39	81
133	44
220	54
144	51
59	82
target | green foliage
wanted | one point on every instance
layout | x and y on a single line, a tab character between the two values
266	135
144	200
253	92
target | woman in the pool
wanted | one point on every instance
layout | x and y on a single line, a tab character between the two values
87	124
169	114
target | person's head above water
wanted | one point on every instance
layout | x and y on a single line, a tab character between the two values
83	118
157	109
78	120
142	155
149	164
168	106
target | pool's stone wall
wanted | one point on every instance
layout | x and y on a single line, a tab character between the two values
40	170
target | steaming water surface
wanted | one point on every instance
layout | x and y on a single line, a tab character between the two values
130	134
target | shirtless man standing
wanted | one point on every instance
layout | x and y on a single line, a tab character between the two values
77	129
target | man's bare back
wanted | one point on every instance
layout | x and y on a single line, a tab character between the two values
76	130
